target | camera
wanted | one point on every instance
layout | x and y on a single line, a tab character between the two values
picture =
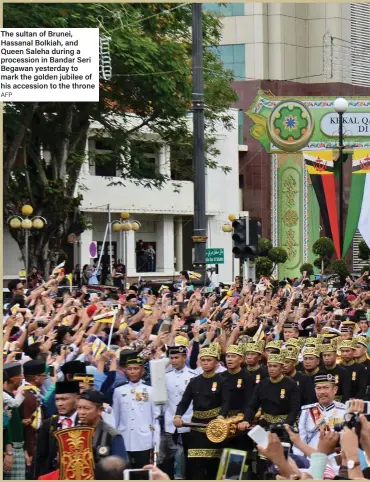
280	431
351	420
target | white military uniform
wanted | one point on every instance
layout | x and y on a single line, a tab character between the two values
316	418
136	416
176	382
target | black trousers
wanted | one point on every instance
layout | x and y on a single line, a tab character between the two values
139	459
169	444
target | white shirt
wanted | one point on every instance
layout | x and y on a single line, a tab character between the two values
315	416
136	416
177	381
63	417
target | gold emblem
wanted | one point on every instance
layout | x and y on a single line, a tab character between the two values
258	378
214	386
353	376
336	379
239	383
282	393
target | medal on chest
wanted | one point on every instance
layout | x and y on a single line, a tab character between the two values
258	378
354	376
239	384
214	386
282	393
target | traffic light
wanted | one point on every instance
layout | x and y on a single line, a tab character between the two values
255	234
239	237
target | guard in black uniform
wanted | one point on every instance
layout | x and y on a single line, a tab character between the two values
241	386
253	356
46	446
311	365
357	372
277	396
362	357
342	379
289	370
210	397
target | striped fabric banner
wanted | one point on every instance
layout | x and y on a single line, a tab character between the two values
320	167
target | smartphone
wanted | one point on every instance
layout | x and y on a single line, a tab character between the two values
259	436
218	332
137	474
231	465
286	448
51	371
366	407
18	356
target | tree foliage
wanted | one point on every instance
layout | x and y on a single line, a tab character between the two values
308	267
323	247
340	268
264	246
363	251
264	266
151	62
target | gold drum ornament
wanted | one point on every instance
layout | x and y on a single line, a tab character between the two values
221	429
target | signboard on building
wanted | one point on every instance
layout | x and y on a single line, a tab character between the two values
283	124
215	256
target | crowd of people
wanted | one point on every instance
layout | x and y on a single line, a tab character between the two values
290	356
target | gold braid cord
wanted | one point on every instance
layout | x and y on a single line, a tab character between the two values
221	429
204	453
76	457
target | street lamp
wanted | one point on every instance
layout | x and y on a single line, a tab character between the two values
123	226
340	106
228	228
26	223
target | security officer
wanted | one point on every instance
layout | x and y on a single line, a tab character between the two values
210	397
136	416
323	415
66	396
176	381
253	357
357	372
106	440
342	379
277	396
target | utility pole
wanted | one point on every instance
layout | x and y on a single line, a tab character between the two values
200	226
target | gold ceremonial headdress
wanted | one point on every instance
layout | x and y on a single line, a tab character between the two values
329	348
312	351
347	344
313	341
213	350
294	342
76	456
362	340
276	345
235	350
255	347
290	354
274	358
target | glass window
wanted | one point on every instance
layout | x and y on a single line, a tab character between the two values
226	10
233	58
240	127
